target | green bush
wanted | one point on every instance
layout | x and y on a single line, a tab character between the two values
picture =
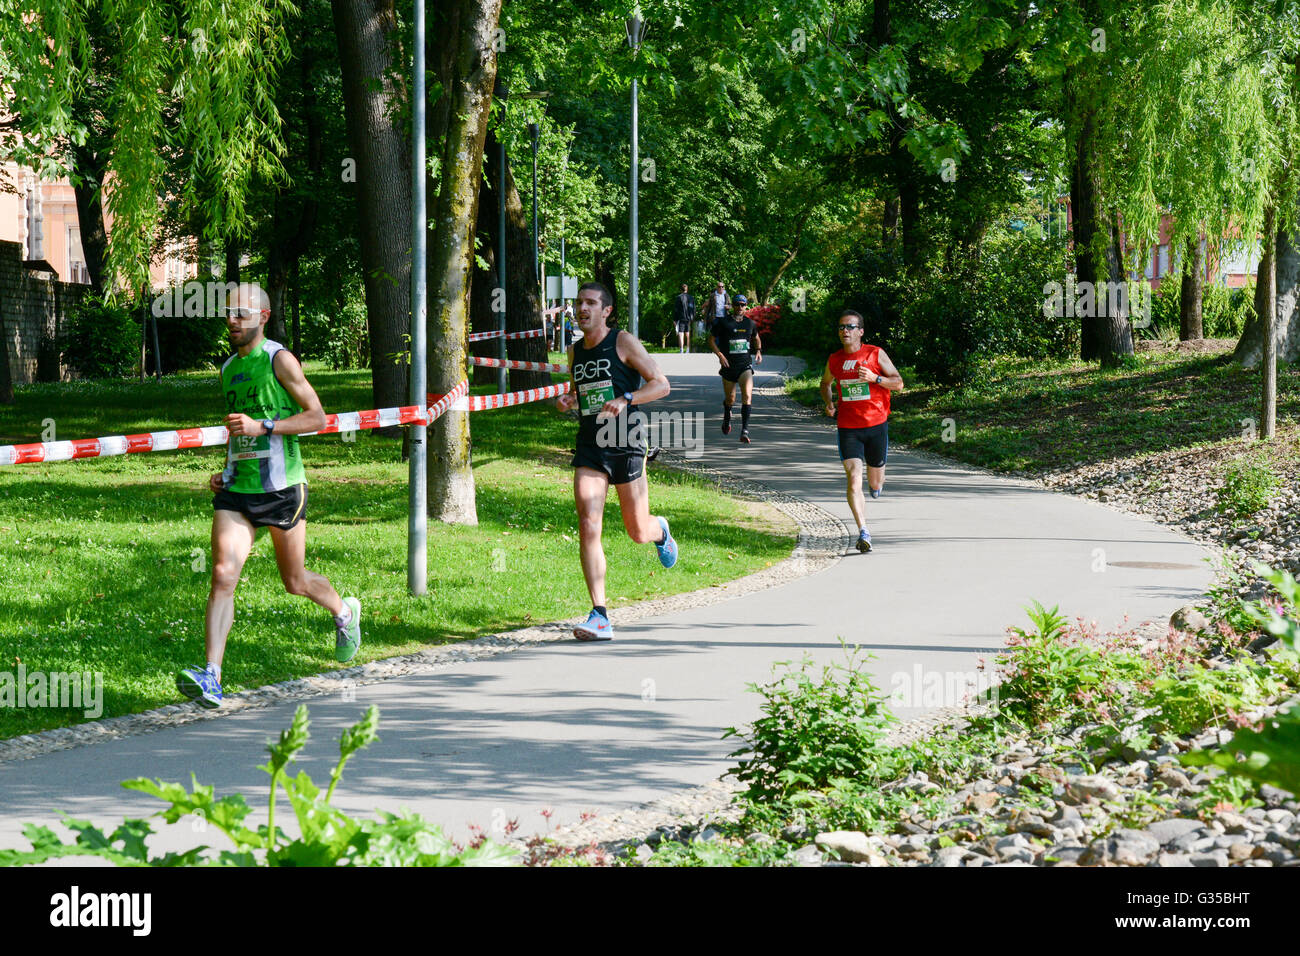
100	339
813	732
1248	486
949	322
341	339
1224	311
189	342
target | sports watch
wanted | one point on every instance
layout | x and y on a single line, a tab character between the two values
268	426
879	379
627	397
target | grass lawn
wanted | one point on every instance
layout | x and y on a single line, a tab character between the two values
1034	416
104	562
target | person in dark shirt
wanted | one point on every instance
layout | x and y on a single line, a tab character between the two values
733	339
683	316
607	367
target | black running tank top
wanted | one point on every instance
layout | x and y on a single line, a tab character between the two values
599	376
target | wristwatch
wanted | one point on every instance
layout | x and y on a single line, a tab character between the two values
268	426
879	379
627	397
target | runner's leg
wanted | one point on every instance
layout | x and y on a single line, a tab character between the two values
853	490
232	539
746	398
728	399
290	554
634	502
590	488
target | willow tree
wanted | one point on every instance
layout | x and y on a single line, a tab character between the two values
1197	142
190	84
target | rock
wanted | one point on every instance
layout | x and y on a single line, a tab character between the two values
1240	851
1232	822
807	856
1280	817
1189	618
983	801
706	835
643	854
1167	831
795	834
848	845
1272	796
760	839
1174	859
1093	787
1064	853
1173	778
1217	858
1126	847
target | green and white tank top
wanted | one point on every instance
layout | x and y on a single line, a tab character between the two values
256	464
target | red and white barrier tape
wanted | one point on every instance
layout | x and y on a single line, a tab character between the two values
216	434
484	336
514	363
479	403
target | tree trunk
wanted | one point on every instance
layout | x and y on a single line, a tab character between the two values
232	252
467	71
369	46
1285	266
1190	326
90	214
292	232
1266	302
523	307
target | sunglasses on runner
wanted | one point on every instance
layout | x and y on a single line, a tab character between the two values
244	313
849	328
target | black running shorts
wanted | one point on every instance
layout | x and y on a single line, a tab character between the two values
620	464
271	509
732	373
869	444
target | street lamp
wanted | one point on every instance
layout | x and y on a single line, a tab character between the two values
636	30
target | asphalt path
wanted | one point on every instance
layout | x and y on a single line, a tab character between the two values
571	728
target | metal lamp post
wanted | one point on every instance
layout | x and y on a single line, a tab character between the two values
417	505
636	30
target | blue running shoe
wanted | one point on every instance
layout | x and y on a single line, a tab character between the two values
199	683
596	628
875	492
864	541
668	549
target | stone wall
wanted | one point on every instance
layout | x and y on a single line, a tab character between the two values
32	305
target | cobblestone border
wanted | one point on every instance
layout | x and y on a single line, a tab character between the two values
821	543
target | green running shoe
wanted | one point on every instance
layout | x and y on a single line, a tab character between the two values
348	639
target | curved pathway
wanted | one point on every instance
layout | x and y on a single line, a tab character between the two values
577	728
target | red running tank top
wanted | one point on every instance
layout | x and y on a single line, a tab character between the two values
863	403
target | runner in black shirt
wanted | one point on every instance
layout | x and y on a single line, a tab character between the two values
731	340
607	367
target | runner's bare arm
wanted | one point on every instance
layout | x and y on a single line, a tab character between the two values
632	352
827	390
569	400
289	374
890	378
758	347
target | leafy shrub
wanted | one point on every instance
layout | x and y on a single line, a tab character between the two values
1268	752
813	731
189	342
1248	486
329	837
100	338
1052	674
1224	311
341	339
